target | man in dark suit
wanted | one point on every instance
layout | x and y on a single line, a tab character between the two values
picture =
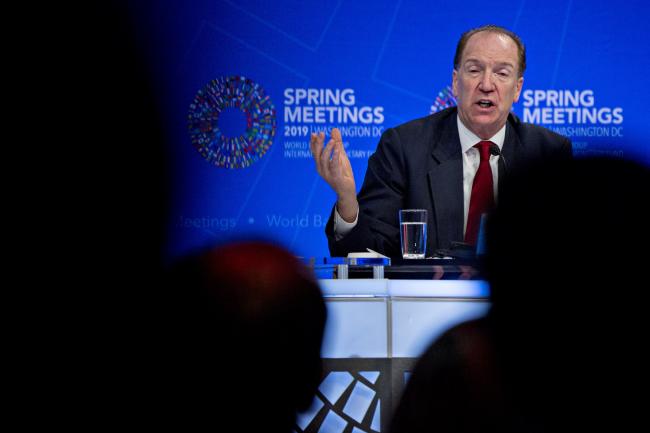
447	163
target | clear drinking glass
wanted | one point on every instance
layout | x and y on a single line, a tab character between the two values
413	233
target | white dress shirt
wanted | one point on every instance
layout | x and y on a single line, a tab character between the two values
471	161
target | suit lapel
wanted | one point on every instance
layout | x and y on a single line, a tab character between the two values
511	149
446	183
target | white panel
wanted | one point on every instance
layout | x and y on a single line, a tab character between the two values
417	323
355	328
439	288
354	287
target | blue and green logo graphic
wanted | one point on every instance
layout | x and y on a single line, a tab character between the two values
232	122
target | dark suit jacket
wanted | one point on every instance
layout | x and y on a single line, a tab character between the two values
418	165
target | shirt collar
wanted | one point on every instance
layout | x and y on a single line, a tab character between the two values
468	139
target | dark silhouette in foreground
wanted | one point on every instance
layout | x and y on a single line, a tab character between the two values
562	348
247	337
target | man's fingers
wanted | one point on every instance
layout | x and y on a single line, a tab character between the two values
336	135
316	144
343	156
330	159
336	168
315	148
338	147
326	156
319	153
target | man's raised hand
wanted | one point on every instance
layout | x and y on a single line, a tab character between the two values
334	167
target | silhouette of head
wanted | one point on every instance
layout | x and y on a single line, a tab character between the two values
578	222
250	328
566	257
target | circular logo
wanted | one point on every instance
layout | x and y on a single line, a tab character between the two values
445	99
230	150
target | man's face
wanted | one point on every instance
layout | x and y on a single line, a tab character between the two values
487	82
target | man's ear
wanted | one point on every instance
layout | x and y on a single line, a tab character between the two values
520	85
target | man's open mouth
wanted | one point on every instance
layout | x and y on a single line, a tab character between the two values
485	103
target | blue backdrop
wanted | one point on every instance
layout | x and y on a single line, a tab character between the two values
242	84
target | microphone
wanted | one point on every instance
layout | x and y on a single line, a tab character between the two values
494	150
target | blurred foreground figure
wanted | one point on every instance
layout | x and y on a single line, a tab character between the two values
247	338
562	348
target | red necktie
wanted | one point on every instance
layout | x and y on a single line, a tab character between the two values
482	198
